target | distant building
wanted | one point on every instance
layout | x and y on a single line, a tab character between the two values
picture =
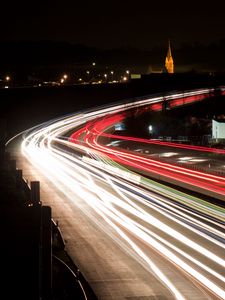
169	61
218	129
152	70
135	76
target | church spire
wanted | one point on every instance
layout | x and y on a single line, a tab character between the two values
169	60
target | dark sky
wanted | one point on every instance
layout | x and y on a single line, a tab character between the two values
110	24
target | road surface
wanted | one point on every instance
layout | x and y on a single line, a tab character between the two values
132	238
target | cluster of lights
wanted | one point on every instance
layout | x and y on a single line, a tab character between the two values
64	78
106	77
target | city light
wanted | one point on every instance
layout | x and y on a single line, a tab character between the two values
150	128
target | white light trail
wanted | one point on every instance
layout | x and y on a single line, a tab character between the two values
136	214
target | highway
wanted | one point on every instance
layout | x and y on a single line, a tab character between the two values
92	135
132	237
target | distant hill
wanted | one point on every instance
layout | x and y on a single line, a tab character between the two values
47	57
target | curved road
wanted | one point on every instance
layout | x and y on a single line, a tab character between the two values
131	237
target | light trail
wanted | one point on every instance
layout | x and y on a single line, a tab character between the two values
186	232
94	130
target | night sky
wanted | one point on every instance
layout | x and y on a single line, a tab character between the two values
112	24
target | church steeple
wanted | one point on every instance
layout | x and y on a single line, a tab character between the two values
169	60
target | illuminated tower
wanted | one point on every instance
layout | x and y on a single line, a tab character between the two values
169	61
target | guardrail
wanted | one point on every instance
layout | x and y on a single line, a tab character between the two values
58	242
78	289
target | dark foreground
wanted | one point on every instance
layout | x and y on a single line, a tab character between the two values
34	261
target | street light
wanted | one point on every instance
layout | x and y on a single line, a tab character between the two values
105	75
150	128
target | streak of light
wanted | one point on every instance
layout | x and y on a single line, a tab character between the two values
129	209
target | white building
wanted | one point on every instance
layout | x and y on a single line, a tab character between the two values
218	129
